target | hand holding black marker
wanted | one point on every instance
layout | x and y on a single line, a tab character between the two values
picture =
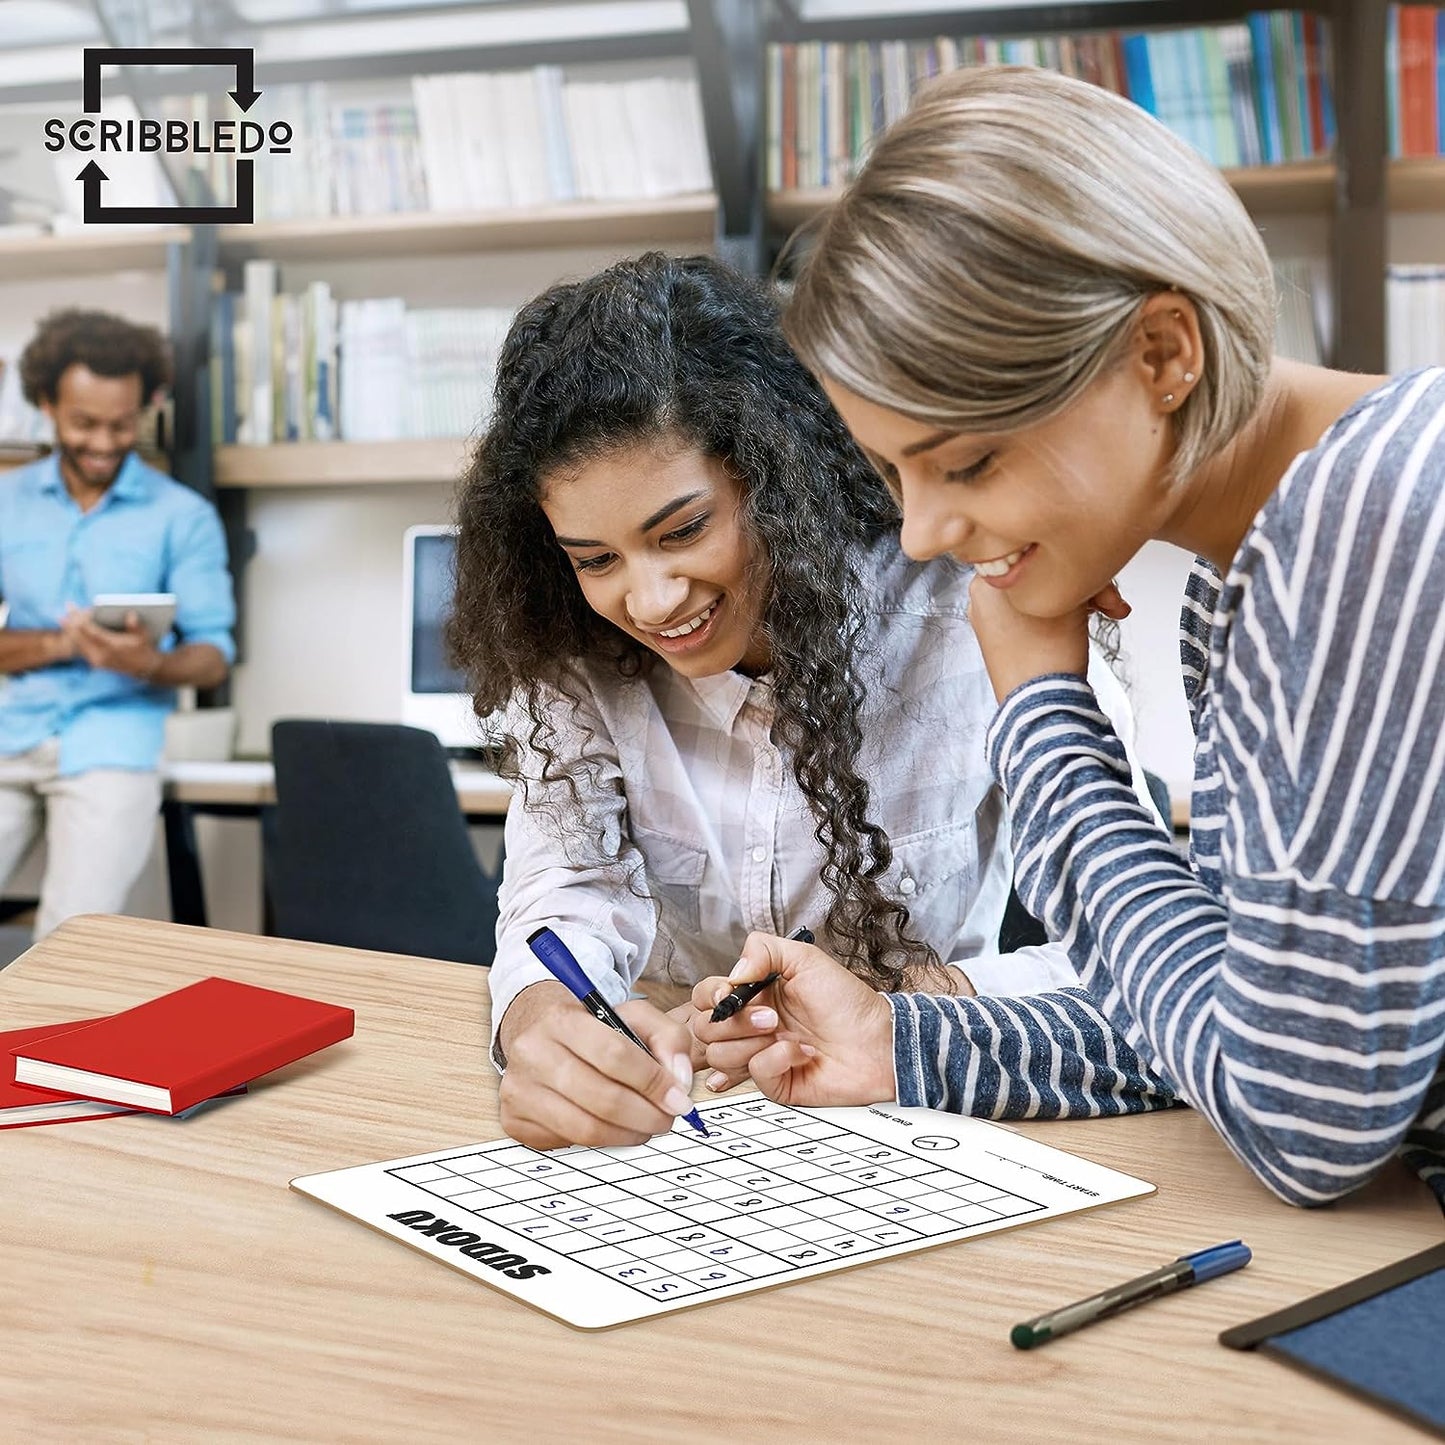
745	993
1186	1270
556	958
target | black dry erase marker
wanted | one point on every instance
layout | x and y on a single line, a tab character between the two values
730	1003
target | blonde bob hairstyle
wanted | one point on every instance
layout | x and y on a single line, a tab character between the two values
990	260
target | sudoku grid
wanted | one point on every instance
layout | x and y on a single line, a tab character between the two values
771	1191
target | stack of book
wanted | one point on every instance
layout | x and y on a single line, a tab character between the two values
363	370
1414	317
166	1056
464	142
1414	84
1254	92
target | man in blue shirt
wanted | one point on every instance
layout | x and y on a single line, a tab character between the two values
82	707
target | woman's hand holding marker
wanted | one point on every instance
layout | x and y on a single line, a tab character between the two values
830	1040
571	1080
736	1041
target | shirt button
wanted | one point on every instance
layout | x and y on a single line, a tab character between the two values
759	854
907	887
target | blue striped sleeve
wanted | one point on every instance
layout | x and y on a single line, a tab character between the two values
1044	1056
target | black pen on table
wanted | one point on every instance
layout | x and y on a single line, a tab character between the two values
557	959
744	993
1188	1269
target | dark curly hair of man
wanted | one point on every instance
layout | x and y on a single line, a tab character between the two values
664	352
108	345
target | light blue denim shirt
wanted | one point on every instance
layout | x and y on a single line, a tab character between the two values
148	533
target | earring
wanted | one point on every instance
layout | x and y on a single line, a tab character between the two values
1168	398
1188	376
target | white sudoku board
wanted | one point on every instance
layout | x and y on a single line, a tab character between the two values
600	1237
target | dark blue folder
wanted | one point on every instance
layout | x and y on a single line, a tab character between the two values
1382	1336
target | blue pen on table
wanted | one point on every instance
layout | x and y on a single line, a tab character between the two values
1188	1269
745	993
557	959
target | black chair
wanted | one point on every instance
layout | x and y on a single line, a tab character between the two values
368	847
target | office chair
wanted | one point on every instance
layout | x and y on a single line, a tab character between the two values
368	846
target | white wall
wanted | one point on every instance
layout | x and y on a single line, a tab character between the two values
1153	584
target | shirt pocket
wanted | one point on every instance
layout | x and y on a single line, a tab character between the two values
934	875
673	869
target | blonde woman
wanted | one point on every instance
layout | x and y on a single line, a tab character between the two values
1048	323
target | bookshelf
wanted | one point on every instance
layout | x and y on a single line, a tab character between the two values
1354	191
739	219
21	456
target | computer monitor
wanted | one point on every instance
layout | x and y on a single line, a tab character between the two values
434	694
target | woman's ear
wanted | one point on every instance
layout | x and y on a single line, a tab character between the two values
1169	350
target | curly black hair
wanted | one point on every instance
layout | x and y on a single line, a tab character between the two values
664	351
109	345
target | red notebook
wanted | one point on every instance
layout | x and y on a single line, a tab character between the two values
21	1106
176	1050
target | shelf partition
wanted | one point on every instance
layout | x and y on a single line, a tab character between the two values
331	464
87	252
1416	185
428	233
1297	186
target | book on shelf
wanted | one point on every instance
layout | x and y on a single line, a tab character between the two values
1256	91
186	1046
466	142
1415	80
368	369
1414	317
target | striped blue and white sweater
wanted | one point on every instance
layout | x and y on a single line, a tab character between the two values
1289	981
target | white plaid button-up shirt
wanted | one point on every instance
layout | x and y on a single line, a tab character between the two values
718	834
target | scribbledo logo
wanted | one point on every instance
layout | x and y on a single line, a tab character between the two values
243	138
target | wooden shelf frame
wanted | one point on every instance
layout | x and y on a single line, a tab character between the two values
88	253
672	219
337	464
666	220
1300	186
1416	184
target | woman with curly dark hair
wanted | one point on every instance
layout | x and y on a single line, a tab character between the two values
730	702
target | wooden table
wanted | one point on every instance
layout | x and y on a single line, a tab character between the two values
159	1282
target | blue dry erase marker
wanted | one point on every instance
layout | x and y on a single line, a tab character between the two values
1186	1270
557	959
